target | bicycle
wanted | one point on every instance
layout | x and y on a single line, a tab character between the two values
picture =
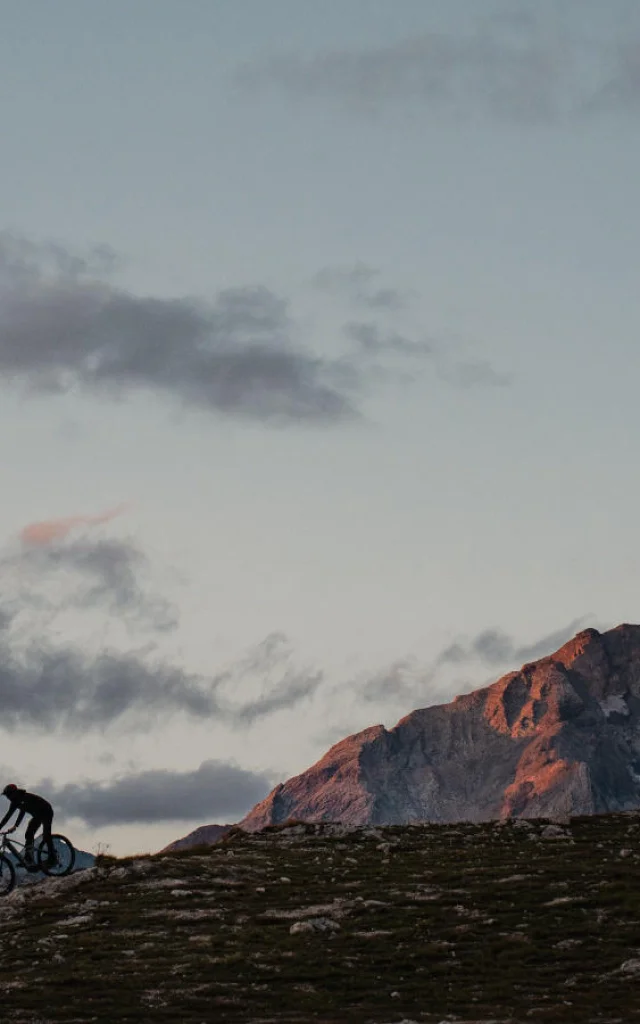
62	863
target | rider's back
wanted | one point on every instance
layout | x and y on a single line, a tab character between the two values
33	804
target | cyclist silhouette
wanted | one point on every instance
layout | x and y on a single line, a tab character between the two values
41	813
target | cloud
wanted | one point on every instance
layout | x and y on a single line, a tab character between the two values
61	565
493	647
404	681
357	284
61	686
62	328
55	529
373	340
620	89
88	573
471	373
269	673
216	789
19	256
47	687
522	69
408	681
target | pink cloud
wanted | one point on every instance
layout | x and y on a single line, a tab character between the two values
50	530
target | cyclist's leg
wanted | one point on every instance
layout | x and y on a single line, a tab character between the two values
47	822
29	836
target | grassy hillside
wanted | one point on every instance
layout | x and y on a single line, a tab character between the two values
494	922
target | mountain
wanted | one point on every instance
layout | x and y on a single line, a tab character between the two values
559	737
205	835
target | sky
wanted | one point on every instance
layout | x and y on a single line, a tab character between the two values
318	378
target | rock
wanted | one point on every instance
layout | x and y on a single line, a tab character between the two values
314	924
630	967
77	920
554	832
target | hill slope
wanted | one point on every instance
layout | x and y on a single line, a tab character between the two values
504	922
559	736
203	835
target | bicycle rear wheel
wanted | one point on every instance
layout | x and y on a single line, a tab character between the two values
7	875
64	856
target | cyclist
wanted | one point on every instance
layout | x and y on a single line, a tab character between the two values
41	813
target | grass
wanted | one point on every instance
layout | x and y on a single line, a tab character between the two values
426	923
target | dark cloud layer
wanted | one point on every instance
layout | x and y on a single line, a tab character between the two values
62	688
216	790
521	68
61	328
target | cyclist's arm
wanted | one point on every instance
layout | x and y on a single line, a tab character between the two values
6	817
18	820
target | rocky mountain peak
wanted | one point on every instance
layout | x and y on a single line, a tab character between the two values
561	735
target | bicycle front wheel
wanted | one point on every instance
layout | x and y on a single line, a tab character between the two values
64	856
7	875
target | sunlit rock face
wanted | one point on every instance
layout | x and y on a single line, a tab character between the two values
561	736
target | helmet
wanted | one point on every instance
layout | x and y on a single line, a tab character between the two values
10	790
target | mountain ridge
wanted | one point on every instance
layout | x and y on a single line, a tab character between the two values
558	737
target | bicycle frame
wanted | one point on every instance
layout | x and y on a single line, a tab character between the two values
15	847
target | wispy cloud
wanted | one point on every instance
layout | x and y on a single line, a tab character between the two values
49	530
217	789
63	326
373	339
494	647
359	284
524	69
471	373
85	573
386	333
376	340
619	88
408	681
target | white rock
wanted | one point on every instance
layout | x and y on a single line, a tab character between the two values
630	967
554	832
80	919
314	924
